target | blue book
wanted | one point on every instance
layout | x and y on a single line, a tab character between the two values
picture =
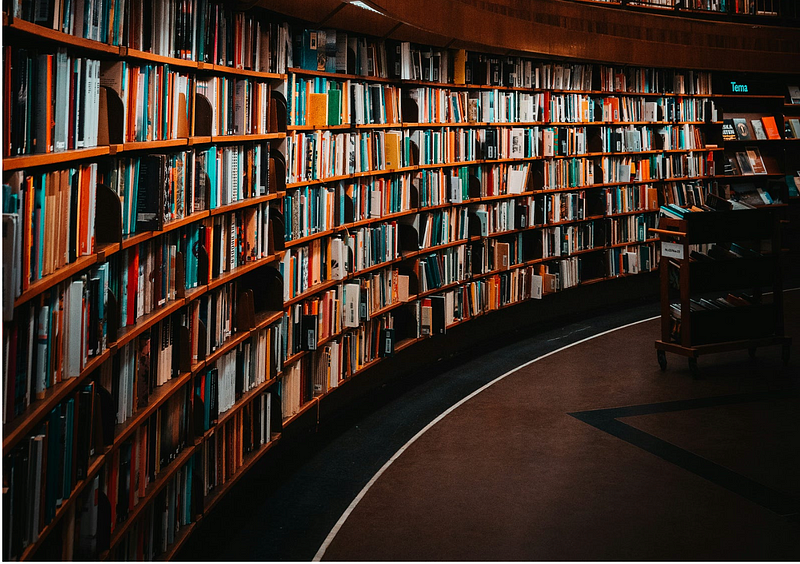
69	420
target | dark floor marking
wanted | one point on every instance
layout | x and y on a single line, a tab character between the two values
607	420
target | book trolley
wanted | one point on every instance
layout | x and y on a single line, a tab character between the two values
692	332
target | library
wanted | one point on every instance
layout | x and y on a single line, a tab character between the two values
400	280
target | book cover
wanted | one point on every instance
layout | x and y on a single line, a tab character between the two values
758	129
744	163
754	156
742	130
794	93
771	127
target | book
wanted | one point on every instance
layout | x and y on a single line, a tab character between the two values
794	127
747	194
754	157
794	93
728	130
742	129
770	127
745	167
758	129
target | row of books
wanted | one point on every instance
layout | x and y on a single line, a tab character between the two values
625	199
335	51
239	106
737	129
43	228
198	30
157	189
156	100
327	50
42	470
51	100
635	139
631	229
141	458
332	258
172	509
686	194
441	227
568	239
745	163
633	259
651	80
321	101
52	340
481	296
326	367
448	266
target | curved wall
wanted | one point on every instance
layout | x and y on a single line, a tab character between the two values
560	28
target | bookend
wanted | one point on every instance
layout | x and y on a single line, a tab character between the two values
182	362
277	112
202	261
108	219
414	194
265	288
201	341
245	311
183	123
408	235
112	317
277	172
348	209
409	107
474	186
111	116
202	116
277	231
180	275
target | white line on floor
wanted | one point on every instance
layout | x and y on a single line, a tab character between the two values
365	489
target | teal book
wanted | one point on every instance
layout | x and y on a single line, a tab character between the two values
334	107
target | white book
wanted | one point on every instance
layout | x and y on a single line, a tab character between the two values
337	259
352	294
75	319
12	250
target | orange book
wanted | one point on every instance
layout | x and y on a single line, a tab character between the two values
84	203
49	107
317	110
771	127
392	150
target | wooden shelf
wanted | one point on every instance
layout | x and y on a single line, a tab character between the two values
21	425
252	457
42	32
45	159
153	58
152	490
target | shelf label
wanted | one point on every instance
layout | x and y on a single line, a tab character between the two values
672	250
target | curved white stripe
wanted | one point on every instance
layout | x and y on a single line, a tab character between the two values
321	552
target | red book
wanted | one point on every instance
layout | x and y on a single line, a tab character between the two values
770	127
133	286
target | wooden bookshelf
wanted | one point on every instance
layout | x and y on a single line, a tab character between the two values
692	332
263	276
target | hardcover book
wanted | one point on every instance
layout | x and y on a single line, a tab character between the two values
770	127
794	94
754	156
758	129
742	130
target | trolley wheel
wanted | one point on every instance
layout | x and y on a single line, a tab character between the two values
693	370
662	360
786	352
752	352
